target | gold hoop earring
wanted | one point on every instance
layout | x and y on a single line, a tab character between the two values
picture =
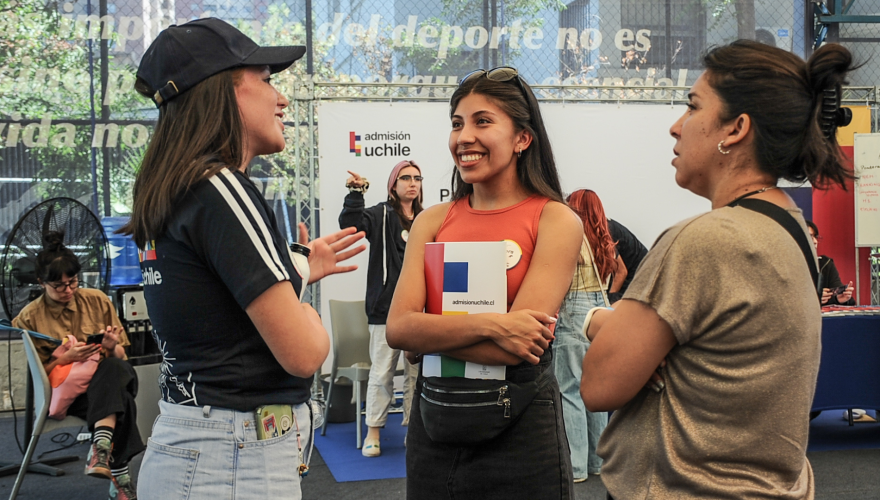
721	150
519	153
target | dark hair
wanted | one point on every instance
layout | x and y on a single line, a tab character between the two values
813	227
55	260
417	207
199	133
587	205
782	95
536	168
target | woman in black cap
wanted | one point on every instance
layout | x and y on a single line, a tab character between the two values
239	352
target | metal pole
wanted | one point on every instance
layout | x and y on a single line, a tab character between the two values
105	111
834	28
494	23
93	160
486	25
310	56
668	38
858	290
809	28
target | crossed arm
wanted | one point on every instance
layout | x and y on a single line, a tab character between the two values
497	339
628	344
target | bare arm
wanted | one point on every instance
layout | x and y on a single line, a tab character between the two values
406	316
510	338
293	331
628	346
550	272
619	276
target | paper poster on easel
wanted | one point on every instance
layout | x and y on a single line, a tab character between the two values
866	167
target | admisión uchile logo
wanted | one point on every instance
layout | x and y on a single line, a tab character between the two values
378	144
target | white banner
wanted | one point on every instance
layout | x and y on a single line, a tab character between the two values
621	152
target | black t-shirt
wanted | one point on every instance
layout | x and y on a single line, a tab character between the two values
630	249
220	250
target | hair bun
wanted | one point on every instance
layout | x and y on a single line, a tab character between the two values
53	241
827	68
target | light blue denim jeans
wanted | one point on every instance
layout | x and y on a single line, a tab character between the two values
582	427
213	453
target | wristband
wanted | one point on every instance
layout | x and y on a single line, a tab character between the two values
590	318
359	189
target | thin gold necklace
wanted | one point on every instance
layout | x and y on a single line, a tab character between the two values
752	193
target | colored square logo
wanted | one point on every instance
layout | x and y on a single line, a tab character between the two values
353	145
455	277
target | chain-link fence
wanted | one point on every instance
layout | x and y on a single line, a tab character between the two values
71	123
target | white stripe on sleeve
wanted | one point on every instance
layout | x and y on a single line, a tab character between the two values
280	275
267	235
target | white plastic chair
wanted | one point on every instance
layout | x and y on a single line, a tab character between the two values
351	353
42	397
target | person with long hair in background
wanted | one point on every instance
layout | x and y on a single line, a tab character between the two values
387	227
108	404
700	357
505	187
597	262
239	351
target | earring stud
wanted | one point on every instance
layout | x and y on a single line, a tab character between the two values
721	150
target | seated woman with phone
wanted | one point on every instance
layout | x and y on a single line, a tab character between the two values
834	292
108	404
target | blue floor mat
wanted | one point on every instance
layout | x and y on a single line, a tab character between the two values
345	460
829	431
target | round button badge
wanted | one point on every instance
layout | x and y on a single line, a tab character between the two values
404	235
285	423
514	254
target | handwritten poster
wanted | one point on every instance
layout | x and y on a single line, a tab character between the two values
867	189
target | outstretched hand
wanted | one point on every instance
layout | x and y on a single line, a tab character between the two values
328	251
111	337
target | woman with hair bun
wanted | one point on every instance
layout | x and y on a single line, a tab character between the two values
704	305
108	404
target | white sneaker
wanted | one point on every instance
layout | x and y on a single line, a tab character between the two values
856	414
371	448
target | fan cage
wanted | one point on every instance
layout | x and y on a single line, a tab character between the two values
83	235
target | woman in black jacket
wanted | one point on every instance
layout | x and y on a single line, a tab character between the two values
387	226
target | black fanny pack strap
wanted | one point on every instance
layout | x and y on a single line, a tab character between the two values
790	224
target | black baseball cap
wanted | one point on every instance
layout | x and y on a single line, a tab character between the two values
182	56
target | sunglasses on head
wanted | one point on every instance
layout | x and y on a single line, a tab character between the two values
500	74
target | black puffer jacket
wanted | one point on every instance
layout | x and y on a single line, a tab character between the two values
387	244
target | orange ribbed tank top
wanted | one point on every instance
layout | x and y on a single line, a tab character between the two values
517	223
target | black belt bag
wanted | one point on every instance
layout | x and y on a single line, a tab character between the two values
461	411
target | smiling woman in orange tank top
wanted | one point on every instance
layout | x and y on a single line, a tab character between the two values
505	187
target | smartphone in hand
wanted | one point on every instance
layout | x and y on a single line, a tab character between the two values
839	290
95	338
